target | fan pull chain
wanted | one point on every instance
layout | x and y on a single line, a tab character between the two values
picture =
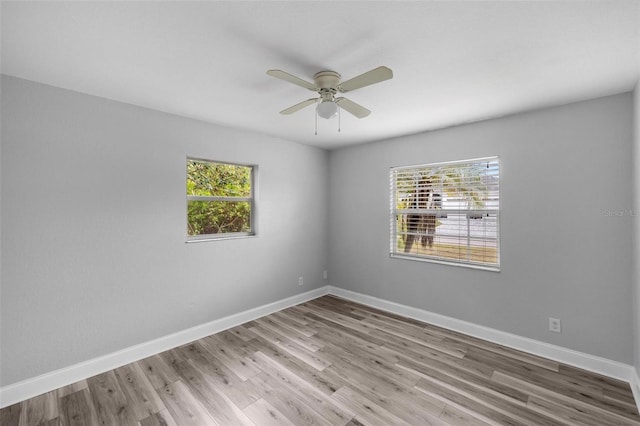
339	118
316	117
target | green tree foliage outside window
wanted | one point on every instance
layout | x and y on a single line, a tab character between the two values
219	198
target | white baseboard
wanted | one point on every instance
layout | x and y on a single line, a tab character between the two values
29	388
606	367
635	386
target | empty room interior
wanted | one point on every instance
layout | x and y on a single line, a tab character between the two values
306	212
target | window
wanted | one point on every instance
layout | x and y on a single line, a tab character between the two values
447	212
220	200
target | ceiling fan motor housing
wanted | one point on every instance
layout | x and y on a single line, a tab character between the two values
327	80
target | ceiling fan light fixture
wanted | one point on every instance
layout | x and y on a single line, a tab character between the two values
327	109
327	84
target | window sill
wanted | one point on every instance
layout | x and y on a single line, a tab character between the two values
444	262
204	238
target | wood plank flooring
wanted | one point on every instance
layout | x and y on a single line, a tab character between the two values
334	362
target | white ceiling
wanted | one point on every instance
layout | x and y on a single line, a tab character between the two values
453	62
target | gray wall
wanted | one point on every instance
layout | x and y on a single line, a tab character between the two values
94	257
562	169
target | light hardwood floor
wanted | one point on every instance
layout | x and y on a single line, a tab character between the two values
334	362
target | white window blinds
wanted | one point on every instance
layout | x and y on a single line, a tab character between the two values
447	212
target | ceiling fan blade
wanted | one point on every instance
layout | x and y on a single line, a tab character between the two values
298	107
291	79
374	76
352	107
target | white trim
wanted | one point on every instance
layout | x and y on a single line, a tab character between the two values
38	385
444	262
223	236
606	367
635	385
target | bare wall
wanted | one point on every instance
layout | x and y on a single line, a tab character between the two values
564	172
94	257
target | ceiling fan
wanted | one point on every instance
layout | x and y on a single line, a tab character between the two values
327	84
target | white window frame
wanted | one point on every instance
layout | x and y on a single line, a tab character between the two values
441	212
251	199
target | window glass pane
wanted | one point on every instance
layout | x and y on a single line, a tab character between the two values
217	179
449	238
216	217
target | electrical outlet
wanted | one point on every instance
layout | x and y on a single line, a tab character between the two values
555	325
300	280
324	274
